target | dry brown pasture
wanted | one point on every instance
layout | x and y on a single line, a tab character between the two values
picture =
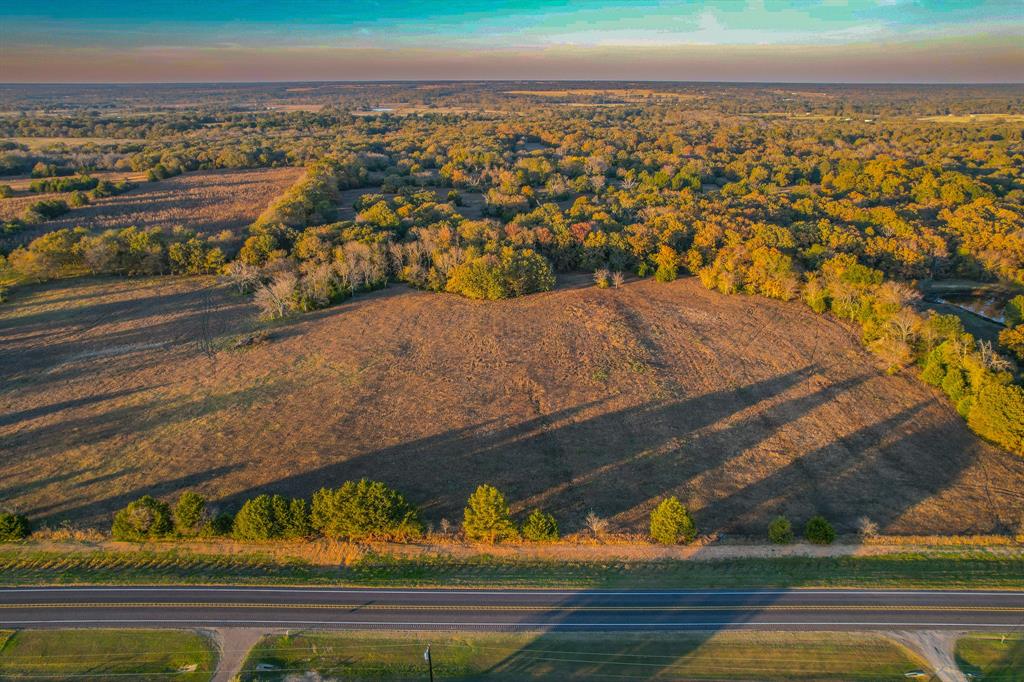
974	118
21	183
574	400
400	109
206	201
39	143
626	94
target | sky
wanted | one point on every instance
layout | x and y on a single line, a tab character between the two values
684	40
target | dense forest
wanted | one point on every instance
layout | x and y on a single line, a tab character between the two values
844	198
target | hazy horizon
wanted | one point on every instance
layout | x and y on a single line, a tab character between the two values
755	41
371	81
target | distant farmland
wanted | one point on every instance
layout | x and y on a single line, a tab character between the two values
576	400
206	201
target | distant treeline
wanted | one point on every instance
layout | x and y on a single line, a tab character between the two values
47	209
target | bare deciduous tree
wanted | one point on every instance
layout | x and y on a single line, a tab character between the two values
867	528
277	298
243	276
991	359
905	325
596	525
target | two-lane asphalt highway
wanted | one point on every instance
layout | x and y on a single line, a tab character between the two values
329	608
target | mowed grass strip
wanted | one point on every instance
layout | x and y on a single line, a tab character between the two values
992	656
963	569
107	655
570	656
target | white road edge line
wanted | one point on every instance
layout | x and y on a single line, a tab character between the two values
365	624
302	590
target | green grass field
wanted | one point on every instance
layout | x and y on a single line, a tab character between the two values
965	568
992	656
106	655
570	656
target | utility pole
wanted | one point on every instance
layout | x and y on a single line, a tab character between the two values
430	663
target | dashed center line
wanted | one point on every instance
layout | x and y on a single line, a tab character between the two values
521	608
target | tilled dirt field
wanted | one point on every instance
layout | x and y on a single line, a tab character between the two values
575	400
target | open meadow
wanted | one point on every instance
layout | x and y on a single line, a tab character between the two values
204	201
574	400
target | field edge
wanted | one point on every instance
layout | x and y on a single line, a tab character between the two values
964	569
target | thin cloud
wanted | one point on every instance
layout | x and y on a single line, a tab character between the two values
848	40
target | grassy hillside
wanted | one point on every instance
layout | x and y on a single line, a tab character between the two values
576	400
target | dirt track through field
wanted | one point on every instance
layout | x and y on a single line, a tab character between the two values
576	400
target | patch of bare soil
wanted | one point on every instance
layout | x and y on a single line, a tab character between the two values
575	400
938	648
233	646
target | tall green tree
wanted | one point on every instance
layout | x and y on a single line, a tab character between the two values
780	531
671	523
268	517
540	527
819	531
13	527
487	517
144	519
190	513
365	510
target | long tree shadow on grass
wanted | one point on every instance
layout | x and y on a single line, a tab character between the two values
656	471
121	310
544	446
657	635
52	513
25	452
141	417
162	321
872	472
562	646
615	460
11	490
53	408
621	463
